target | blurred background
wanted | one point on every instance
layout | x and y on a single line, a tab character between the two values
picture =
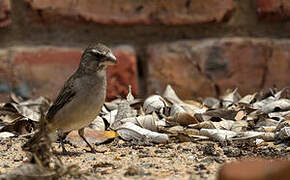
200	47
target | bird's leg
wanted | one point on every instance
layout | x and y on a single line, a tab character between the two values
81	133
61	137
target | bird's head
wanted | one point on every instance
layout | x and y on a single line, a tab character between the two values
97	57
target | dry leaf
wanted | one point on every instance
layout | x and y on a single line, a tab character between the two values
218	135
130	131
111	134
183	119
92	135
240	115
154	103
147	121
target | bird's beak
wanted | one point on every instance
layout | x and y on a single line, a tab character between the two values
111	60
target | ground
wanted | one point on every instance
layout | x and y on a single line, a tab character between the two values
128	160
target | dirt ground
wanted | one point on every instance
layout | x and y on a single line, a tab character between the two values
130	160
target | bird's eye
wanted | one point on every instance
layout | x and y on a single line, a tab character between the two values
98	55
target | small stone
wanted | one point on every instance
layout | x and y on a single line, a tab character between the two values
90	158
191	157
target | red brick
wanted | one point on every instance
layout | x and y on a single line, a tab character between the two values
124	74
274	9
45	69
255	169
173	12
278	65
5	9
167	66
194	68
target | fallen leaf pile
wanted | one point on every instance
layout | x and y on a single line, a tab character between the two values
162	119
258	118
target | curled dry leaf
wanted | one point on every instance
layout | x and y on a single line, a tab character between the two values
130	97
130	131
266	122
279	114
224	124
218	135
267	129
175	130
191	107
183	118
265	100
230	98
254	134
284	133
212	103
176	109
170	95
109	106
190	131
239	126
147	121
248	99
154	103
218	115
196	106
98	124
282	124
281	104
124	111
6	135
110	117
205	125
32	109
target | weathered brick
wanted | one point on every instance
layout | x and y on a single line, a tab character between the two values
169	64
5	9
278	65
200	68
273	9
255	169
43	70
170	12
124	74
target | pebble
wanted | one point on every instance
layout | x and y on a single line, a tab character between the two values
90	158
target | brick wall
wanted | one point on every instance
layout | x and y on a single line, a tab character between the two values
200	47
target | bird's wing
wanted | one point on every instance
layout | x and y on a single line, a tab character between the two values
64	97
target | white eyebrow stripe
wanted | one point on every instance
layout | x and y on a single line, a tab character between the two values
95	51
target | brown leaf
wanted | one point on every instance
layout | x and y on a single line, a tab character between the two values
92	135
240	115
183	119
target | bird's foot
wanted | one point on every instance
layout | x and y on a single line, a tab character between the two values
92	150
65	152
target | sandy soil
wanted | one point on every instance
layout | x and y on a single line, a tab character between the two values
128	160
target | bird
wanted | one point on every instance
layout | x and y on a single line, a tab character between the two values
80	100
